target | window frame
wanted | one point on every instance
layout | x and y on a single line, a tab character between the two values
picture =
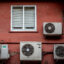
18	30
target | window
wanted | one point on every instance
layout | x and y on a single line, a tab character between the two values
23	18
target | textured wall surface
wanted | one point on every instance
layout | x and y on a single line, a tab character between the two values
46	12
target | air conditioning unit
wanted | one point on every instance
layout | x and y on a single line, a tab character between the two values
52	28
59	51
30	51
4	52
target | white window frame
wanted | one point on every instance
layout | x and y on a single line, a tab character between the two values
35	29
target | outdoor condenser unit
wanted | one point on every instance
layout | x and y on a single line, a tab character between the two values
4	52
30	51
52	28
59	51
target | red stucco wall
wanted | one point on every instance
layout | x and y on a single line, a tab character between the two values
46	12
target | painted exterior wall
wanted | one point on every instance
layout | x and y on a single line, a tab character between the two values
46	12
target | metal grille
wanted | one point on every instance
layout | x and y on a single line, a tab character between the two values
60	51
27	50
49	28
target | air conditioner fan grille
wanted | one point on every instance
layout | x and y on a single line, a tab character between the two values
49	28
60	51
27	49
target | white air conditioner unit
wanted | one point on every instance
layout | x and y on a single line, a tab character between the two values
30	51
59	51
52	28
4	52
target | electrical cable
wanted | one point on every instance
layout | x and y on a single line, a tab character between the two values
45	53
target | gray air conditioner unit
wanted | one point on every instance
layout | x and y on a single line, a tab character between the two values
59	51
52	28
30	51
4	55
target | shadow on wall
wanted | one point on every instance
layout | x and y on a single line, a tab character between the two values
30	62
59	62
53	37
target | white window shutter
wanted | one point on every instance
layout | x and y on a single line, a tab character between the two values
29	17
17	17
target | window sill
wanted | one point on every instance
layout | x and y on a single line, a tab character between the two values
23	31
